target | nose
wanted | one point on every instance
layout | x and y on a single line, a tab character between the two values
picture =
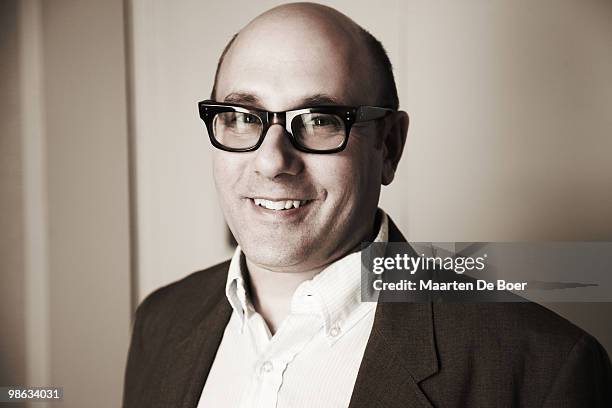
276	155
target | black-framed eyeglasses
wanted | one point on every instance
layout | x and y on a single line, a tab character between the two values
320	129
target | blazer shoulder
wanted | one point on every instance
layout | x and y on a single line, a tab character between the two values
184	294
519	326
585	379
161	319
523	351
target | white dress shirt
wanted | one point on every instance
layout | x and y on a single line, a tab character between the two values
313	358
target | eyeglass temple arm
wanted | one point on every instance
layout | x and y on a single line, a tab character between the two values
365	113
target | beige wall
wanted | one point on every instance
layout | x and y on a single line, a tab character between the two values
85	102
511	131
65	289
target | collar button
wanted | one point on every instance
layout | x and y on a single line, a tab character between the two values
334	331
267	367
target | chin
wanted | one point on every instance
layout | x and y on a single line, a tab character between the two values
280	256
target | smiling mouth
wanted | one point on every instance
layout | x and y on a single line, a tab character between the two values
279	205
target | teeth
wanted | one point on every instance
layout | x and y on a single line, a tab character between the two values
278	205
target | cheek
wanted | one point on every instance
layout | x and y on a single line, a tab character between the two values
363	162
227	169
332	173
370	162
348	177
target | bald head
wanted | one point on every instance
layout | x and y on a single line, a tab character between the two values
303	33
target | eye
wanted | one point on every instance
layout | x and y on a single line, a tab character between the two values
249	119
238	119
321	121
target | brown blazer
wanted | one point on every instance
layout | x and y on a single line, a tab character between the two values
418	355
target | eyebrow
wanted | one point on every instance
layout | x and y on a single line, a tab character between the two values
319	100
243	98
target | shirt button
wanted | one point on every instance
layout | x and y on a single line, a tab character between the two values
334	331
267	367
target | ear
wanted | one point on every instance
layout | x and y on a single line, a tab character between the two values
394	140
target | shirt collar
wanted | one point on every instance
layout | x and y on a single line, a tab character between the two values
333	294
235	288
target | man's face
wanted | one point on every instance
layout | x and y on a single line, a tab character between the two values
279	67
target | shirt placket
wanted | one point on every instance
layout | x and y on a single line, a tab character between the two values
274	358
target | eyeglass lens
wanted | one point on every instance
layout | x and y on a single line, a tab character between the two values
316	131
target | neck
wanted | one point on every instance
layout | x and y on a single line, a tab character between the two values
271	291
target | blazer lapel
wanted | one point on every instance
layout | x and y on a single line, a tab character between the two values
192	353
399	355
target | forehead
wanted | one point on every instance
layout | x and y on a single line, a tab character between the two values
283	62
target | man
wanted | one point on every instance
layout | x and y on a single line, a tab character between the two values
304	119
